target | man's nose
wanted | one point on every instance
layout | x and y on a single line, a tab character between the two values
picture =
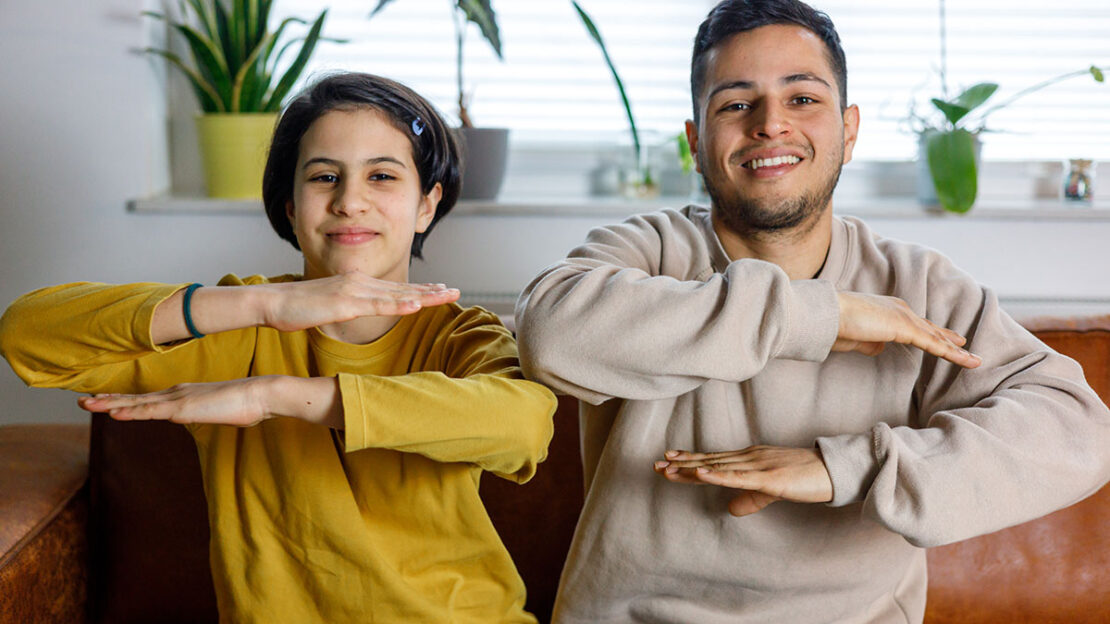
770	121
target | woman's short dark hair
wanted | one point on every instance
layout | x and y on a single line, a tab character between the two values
732	17
434	148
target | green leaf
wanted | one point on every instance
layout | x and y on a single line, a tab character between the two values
952	164
294	71
596	35
1097	73
209	99
210	60
685	157
207	16
974	96
481	13
952	112
381	5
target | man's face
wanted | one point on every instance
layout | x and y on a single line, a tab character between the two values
772	137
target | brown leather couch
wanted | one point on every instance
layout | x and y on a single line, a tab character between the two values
108	525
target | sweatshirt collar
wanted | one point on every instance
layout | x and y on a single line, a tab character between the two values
835	261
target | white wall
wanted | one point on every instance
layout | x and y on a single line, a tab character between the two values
82	130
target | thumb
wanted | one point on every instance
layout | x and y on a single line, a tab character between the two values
749	502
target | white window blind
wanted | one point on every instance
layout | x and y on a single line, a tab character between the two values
554	89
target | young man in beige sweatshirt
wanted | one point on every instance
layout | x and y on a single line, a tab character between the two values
764	350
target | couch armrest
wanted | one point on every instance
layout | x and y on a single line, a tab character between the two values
43	513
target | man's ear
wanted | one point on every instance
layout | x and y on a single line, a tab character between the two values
427	209
851	131
692	139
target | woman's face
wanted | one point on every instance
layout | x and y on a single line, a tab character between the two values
356	197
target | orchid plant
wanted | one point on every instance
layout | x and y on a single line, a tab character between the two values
950	137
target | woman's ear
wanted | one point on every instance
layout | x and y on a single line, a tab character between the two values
427	210
291	214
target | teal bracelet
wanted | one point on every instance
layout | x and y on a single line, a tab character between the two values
185	306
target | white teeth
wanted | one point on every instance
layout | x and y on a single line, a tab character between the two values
759	163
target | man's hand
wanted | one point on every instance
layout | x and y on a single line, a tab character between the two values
292	306
868	322
764	474
240	402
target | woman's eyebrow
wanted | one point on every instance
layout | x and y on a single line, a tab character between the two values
369	161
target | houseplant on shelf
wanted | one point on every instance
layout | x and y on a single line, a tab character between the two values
486	149
234	75
948	137
640	182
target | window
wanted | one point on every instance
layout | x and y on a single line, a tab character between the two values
554	90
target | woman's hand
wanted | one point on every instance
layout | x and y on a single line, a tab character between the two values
292	306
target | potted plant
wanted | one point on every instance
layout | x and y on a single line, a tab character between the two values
486	149
948	138
640	182
234	74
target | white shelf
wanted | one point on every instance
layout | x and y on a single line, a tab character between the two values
617	207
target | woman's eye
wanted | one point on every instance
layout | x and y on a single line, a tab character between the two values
380	177
326	178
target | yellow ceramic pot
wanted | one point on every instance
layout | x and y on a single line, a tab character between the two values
234	149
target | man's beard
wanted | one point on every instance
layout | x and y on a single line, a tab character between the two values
753	217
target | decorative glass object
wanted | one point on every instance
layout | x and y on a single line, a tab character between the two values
1079	180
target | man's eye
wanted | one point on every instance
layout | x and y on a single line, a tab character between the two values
804	99
737	106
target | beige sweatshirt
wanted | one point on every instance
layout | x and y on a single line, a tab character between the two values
671	346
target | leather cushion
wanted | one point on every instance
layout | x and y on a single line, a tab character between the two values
1053	569
536	520
148	526
43	510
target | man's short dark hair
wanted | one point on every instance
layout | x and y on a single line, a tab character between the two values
434	149
732	17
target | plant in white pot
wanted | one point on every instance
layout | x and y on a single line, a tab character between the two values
234	73
486	149
948	136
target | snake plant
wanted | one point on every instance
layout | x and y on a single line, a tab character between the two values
235	55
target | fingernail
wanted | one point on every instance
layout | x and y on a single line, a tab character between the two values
662	464
671	454
702	470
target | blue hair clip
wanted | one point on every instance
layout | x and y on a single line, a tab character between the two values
417	126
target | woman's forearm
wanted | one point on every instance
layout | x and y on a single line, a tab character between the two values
312	399
212	310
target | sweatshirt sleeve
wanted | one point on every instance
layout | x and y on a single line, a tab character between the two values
478	409
625	316
1018	437
92	337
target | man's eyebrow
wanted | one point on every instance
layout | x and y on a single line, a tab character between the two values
735	84
805	77
747	84
369	161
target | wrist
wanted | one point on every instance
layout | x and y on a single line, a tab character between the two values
261	300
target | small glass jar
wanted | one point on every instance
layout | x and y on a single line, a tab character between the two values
1079	180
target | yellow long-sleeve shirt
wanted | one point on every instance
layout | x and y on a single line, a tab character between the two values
380	523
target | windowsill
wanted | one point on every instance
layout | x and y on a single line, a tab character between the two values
893	207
